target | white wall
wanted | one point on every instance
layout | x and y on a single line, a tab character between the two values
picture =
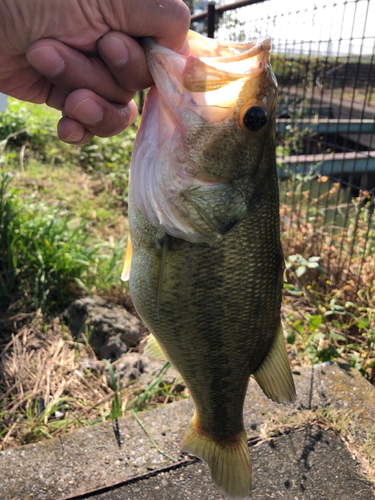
3	102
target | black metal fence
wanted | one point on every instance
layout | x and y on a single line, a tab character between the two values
323	57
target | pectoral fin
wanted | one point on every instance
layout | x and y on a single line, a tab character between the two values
213	210
274	375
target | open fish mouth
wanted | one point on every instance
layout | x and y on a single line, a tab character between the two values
207	90
214	78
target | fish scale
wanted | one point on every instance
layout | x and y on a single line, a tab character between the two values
212	297
208	292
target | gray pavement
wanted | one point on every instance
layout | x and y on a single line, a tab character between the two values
307	463
312	464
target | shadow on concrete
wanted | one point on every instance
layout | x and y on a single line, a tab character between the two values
312	464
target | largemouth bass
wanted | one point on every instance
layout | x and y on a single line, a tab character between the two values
206	267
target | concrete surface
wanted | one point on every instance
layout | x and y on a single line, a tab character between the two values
311	464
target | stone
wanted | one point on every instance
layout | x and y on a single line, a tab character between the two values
133	366
112	329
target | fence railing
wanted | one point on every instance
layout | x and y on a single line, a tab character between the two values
323	57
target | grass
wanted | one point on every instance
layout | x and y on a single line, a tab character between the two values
51	383
329	298
63	222
47	255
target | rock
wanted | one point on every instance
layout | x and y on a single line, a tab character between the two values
91	364
139	366
111	328
113	348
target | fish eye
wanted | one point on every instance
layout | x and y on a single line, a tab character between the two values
255	118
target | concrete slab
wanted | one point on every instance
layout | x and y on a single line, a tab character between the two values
92	457
312	464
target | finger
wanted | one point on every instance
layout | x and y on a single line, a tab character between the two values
97	115
69	70
126	60
56	98
72	132
166	20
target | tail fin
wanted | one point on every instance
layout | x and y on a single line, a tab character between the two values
228	459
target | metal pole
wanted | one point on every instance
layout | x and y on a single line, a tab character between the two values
211	20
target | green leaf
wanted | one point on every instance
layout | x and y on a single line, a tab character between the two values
319	336
292	289
112	375
83	286
300	271
337	336
314	259
315	320
363	323
291	338
327	354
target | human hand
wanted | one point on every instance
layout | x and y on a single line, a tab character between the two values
81	57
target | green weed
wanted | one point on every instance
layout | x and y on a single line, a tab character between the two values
116	405
46	256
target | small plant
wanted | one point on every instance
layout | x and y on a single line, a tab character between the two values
152	388
116	405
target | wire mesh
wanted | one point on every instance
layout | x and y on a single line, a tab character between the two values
323	58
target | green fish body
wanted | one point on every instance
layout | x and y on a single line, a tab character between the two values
207	265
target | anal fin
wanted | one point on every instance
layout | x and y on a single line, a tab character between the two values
153	349
274	375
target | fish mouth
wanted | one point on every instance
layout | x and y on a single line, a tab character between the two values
205	97
204	74
224	63
207	73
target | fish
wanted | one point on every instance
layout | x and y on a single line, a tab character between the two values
204	259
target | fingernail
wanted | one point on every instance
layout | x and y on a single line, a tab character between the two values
115	50
88	111
77	135
46	60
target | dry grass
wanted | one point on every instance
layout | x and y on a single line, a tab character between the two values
329	308
44	367
51	384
